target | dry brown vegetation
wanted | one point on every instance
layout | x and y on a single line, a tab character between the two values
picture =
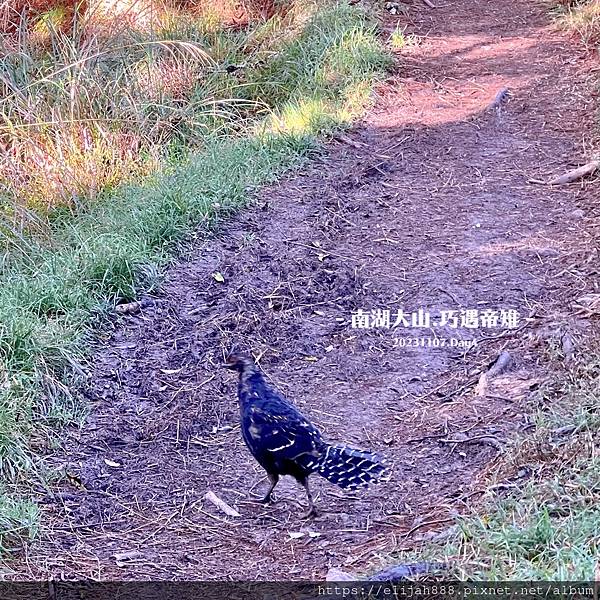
64	13
583	17
95	92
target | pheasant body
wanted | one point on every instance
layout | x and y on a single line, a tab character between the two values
284	442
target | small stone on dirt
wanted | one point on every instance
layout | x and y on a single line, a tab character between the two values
335	574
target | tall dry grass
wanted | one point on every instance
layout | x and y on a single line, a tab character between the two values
583	18
103	98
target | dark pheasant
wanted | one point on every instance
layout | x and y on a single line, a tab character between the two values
284	442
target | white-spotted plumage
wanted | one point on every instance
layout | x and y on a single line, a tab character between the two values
284	442
351	468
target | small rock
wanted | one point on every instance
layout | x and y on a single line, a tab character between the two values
578	213
335	574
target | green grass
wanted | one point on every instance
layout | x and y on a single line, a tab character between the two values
18	519
61	274
543	523
400	40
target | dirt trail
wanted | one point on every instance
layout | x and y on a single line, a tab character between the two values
428	206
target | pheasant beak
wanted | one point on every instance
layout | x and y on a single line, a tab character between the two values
239	363
232	362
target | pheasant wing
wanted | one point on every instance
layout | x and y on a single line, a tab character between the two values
286	434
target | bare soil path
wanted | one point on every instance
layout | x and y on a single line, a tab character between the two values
429	206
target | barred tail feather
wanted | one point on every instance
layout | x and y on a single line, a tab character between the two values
350	468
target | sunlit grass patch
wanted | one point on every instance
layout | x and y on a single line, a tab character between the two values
400	40
302	117
91	110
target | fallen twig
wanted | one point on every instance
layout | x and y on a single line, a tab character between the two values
576	174
565	430
346	140
459	390
426	523
588	305
501	364
123	559
482	439
221	505
429	3
568	346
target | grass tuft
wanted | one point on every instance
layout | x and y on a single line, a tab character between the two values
582	18
18	520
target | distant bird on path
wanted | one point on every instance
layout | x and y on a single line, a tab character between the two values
284	442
